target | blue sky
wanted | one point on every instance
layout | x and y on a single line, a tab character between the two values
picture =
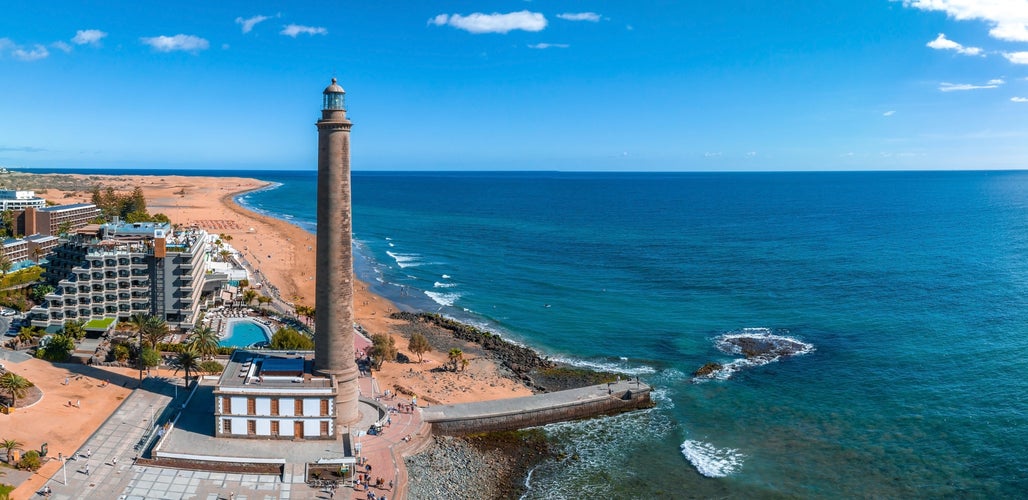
516	85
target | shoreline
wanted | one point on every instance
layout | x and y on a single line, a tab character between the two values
282	252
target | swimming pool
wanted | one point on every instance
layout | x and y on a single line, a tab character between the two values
244	333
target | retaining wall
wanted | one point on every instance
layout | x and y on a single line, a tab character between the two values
537	410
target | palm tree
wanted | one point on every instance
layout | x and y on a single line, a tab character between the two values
249	295
204	341
264	300
136	322
225	254
153	330
188	361
10	445
5	264
37	253
456	356
26	334
16	385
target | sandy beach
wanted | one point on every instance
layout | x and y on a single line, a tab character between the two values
285	255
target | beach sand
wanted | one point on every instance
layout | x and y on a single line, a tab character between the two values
285	254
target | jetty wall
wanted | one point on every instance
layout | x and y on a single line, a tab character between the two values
541	409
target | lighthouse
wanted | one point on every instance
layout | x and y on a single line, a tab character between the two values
333	301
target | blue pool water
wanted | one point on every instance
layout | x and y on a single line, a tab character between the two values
243	333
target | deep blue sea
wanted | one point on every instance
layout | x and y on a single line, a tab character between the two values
911	290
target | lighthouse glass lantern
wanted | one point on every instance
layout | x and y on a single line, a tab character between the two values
334	97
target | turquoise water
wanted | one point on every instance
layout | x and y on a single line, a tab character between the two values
244	333
911	288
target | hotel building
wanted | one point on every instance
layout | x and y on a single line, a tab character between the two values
124	269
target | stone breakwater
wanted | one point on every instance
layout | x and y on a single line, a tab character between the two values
485	466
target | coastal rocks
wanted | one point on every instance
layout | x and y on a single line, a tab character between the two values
707	369
518	359
759	346
485	466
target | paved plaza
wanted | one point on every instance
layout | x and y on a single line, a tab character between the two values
112	472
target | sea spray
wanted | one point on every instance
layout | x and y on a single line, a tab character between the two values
711	461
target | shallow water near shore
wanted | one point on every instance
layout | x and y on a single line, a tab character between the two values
910	288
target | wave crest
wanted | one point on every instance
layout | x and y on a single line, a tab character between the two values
711	461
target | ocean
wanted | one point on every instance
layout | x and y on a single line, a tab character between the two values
909	291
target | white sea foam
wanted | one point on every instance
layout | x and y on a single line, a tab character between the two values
445	276
439	284
711	461
606	366
443	299
391	244
725	344
405	259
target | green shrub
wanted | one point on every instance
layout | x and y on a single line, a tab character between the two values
30	461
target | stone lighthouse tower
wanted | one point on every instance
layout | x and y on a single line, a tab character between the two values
333	302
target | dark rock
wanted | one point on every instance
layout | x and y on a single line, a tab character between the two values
707	369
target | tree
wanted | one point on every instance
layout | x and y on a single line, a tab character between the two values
5	264
225	254
7	222
249	295
39	292
75	329
264	300
456	356
64	227
419	346
204	341
15	385
37	253
188	361
289	339
9	445
153	330
120	352
56	347
159	217
383	348
30	461
149	358
27	334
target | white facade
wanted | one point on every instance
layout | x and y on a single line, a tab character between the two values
249	404
19	200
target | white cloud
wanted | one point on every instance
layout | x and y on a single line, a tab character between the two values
37	52
492	23
249	23
62	46
1019	99
950	87
548	46
88	37
1016	57
1008	18
185	43
580	16
296	29
889	113
996	81
943	43
712	155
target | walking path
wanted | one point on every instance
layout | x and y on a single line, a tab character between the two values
110	451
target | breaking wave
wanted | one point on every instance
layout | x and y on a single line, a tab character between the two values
711	461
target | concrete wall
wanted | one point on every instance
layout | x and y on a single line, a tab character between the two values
576	410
